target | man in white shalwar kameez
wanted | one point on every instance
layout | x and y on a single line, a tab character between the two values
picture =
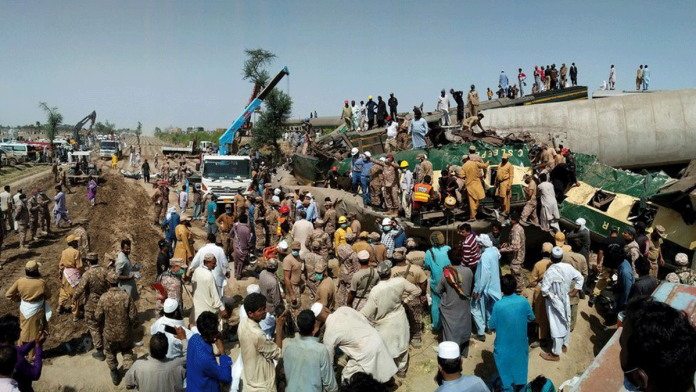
350	331
556	288
549	215
222	266
385	311
206	296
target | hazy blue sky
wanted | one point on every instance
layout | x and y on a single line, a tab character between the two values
179	62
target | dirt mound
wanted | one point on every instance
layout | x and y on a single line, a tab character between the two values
118	215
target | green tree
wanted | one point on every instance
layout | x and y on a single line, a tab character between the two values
53	120
255	67
270	125
158	132
139	131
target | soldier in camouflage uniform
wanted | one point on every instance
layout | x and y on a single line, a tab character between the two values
21	217
259	224
310	261
83	244
414	309
348	260
116	310
683	274
272	223
44	214
516	248
92	285
33	206
318	234
330	218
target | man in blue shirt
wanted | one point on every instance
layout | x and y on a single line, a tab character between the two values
365	162
312	214
307	362
449	375
211	210
418	128
169	225
355	169
624	282
203	371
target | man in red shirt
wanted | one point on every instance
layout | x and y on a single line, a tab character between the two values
471	254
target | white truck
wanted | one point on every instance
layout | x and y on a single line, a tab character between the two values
225	175
107	148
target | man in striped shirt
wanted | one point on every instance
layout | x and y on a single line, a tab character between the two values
470	251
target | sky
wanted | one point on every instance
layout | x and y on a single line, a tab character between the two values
178	63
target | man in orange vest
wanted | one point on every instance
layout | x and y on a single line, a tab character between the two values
424	195
284	214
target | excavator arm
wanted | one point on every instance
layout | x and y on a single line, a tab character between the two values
228	136
92	117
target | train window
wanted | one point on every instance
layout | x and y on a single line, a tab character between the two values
646	214
601	200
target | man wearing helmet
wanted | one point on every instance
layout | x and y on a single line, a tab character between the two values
406	188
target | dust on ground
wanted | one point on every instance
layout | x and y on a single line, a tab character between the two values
125	211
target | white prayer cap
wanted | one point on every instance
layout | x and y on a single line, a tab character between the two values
283	245
308	194
276	191
580	221
209	257
484	240
170	305
448	350
681	259
253	288
317	308
363	255
557	253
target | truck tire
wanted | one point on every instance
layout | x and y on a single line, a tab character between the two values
13	162
177	156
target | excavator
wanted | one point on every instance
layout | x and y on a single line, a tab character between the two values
229	136
92	117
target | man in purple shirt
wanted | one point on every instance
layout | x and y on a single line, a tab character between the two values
25	372
471	254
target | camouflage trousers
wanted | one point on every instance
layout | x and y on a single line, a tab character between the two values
158	213
33	226
124	347
342	294
376	195
391	197
260	237
93	325
22	233
516	271
297	308
414	313
529	212
312	287
227	245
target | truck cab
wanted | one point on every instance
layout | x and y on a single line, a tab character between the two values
107	148
224	175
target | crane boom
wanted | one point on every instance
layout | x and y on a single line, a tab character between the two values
228	136
92	117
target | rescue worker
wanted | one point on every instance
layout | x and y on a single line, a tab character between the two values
407	185
354	222
83	242
44	214
282	218
683	274
516	248
318	234
365	176
158	199
330	217
240	203
340	234
293	278
473	121
224	222
348	261
472	102
423	195
311	260
471	171
271	218
390	172
116	311
71	269
259	225
503	180
377	183
424	168
33	207
530	207
21	217
184	240
414	309
92	285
